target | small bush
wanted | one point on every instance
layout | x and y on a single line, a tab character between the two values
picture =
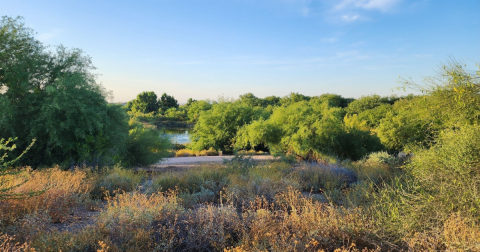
145	146
117	179
184	153
381	157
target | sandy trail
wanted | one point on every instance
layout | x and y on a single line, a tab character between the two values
188	162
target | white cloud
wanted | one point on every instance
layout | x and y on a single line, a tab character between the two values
382	5
350	18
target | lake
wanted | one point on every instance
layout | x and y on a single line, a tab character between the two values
177	135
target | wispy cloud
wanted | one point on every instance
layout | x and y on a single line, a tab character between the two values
350	18
382	5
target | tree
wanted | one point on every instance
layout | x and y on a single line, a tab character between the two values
167	101
335	100
451	99
146	102
312	130
250	99
196	108
216	128
292	98
52	96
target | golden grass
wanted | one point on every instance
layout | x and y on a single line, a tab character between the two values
60	192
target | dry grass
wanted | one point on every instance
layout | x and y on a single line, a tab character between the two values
191	153
60	192
238	206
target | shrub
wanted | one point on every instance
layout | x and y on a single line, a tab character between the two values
145	146
61	192
324	177
381	157
129	218
110	181
184	153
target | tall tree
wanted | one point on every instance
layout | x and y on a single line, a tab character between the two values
53	96
167	101
146	102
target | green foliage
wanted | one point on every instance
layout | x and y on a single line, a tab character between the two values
6	147
176	113
452	98
271	100
334	100
111	181
365	103
250	100
56	90
372	117
145	146
146	102
167	101
195	108
381	157
292	98
409	123
310	130
216	128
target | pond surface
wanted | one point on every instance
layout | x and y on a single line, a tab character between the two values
176	135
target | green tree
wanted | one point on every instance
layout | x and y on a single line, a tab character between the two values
335	100
52	96
250	99
451	99
167	101
146	102
292	98
196	108
216	128
310	130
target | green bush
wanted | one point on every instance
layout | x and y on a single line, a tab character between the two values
109	181
145	146
381	157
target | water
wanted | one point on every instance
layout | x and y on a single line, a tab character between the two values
176	135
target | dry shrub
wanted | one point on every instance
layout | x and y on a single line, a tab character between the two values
460	235
85	239
129	218
116	179
212	152
207	228
297	223
60	192
184	153
32	225
324	177
457	234
245	189
8	244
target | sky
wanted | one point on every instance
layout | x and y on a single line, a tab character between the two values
205	49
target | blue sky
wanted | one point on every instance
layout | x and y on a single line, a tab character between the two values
210	48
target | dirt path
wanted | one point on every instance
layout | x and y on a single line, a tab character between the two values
188	162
